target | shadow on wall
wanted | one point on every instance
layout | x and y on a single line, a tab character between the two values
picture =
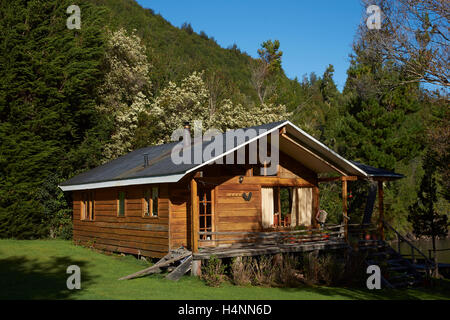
22	278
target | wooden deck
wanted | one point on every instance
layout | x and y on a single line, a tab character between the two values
238	250
261	243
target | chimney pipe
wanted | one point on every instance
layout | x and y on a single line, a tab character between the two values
145	160
187	134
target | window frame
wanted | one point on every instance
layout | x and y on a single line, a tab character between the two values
87	206
149	201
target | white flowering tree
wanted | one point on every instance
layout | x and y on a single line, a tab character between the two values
190	101
125	92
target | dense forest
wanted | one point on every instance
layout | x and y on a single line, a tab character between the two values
71	99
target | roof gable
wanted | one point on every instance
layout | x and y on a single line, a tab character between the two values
130	170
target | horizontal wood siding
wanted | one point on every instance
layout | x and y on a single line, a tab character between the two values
233	212
180	233
132	233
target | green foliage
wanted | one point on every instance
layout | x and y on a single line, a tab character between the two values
271	55
37	270
57	212
72	99
47	104
426	221
213	273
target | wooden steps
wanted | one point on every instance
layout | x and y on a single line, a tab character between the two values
397	271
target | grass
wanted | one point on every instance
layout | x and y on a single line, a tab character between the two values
36	269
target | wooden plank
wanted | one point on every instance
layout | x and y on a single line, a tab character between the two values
130	226
344	207
125	243
194	216
263	250
316	206
256	181
159	264
154	254
184	267
153	269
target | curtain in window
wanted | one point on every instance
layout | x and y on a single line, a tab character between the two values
302	206
267	207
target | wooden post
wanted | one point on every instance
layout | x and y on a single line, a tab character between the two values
344	207
194	217
316	206
380	209
196	268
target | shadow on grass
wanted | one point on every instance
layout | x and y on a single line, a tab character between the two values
440	290
22	278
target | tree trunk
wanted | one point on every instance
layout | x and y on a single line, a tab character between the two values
436	265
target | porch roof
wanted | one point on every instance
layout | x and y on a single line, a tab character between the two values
130	170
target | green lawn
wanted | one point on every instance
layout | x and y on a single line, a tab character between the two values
36	269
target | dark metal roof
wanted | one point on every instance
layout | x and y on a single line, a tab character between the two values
131	165
160	164
376	172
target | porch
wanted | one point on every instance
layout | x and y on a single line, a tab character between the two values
235	244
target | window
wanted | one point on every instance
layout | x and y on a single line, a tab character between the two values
147	203
87	206
155	201
205	212
150	202
121	204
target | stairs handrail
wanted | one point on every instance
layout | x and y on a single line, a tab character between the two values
428	261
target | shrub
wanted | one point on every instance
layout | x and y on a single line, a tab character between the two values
355	272
263	270
214	272
325	269
287	274
241	271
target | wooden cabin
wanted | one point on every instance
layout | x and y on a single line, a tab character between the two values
144	204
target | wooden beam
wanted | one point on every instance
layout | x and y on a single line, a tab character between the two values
345	208
380	209
311	153
341	178
260	180
194	216
164	262
316	206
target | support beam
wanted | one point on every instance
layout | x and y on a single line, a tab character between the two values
342	178
316	206
380	209
345	208
194	216
196	268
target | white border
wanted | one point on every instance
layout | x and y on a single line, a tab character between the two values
125	182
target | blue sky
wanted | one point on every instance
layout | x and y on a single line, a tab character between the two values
312	34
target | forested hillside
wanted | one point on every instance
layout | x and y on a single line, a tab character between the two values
73	99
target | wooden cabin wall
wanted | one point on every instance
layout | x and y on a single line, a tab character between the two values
180	223
133	233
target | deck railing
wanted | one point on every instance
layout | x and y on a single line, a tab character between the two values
414	251
275	237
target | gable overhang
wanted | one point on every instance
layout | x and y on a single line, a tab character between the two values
293	141
124	182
